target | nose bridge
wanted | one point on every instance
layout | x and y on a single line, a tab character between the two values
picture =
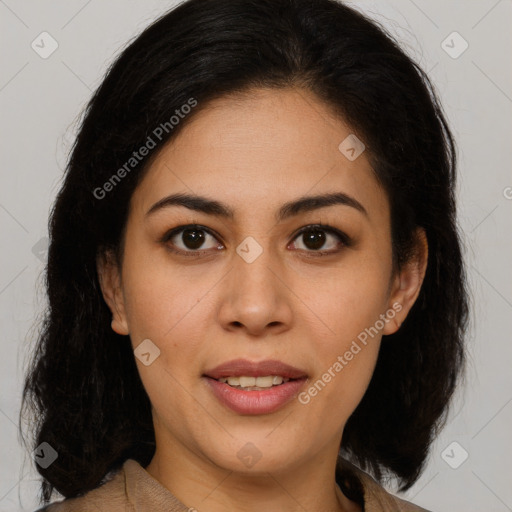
255	297
253	263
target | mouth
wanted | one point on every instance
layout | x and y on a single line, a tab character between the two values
255	387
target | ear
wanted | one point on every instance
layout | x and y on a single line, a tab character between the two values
111	287
407	283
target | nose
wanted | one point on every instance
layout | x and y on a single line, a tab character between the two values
255	297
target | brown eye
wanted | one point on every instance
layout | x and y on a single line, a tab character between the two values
190	239
314	239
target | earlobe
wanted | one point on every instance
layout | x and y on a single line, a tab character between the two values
111	288
407	283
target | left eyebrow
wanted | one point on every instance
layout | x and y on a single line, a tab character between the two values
310	203
287	210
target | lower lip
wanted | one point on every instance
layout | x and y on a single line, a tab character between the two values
255	402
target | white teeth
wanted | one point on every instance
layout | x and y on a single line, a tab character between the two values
265	382
254	382
247	382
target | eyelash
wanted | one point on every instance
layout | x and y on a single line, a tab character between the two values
345	240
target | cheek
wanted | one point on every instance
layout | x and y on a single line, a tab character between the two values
351	303
345	364
153	295
351	296
165	305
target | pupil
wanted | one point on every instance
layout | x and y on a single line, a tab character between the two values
193	238
315	239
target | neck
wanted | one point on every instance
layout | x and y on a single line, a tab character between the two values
200	484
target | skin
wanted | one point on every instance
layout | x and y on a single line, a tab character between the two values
288	304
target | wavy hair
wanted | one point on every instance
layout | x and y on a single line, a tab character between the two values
82	388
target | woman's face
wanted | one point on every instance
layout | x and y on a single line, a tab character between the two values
250	286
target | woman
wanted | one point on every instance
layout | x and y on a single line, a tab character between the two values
255	282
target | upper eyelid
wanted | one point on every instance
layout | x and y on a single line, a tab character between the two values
175	231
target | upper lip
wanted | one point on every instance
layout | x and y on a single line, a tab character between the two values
244	367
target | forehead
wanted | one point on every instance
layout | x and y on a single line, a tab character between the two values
258	149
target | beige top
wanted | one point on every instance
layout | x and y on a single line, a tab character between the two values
133	489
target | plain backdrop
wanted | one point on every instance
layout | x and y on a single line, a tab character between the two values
41	99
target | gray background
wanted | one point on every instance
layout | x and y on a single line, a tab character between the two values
41	99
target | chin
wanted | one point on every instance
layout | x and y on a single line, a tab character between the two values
257	457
